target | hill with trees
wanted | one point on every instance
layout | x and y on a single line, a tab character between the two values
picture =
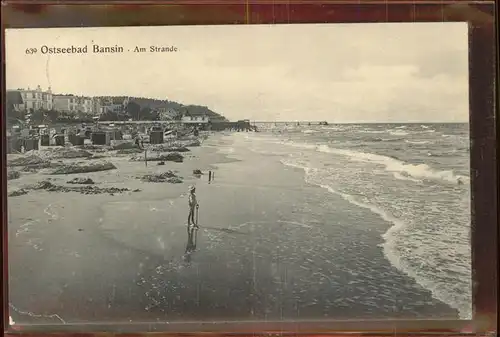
141	108
136	108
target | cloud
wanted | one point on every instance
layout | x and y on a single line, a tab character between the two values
368	72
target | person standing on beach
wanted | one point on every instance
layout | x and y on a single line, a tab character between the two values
138	142
193	204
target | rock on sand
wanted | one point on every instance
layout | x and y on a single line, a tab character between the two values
13	175
83	168
169	177
50	187
133	150
17	193
173	156
27	161
168	148
81	180
70	153
122	144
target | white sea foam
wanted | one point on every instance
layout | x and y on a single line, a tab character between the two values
397	234
269	153
334	128
410	171
398	133
300	145
421	171
308	131
372	131
423	242
312	178
417	142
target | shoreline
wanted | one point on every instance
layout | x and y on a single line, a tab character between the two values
396	246
393	225
234	239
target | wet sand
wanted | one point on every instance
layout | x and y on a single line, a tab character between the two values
266	250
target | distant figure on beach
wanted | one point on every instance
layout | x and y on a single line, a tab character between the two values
193	204
138	142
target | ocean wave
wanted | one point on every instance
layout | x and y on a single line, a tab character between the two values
419	171
415	171
372	131
397	258
309	131
427	237
453	136
299	145
398	133
417	142
333	128
309	178
268	153
452	153
399	254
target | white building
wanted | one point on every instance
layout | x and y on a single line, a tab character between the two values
35	99
111	108
167	113
107	104
73	104
188	119
97	107
86	105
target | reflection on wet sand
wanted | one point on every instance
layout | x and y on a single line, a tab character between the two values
191	244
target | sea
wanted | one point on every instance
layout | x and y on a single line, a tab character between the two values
413	176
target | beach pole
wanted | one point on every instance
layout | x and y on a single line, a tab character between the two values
146	157
197	209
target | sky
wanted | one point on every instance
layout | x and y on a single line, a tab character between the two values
341	73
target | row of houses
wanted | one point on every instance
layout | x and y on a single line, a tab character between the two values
28	100
36	99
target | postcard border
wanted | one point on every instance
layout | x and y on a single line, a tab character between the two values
483	123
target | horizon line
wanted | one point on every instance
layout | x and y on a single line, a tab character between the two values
253	121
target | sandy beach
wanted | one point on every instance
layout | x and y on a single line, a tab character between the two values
269	247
